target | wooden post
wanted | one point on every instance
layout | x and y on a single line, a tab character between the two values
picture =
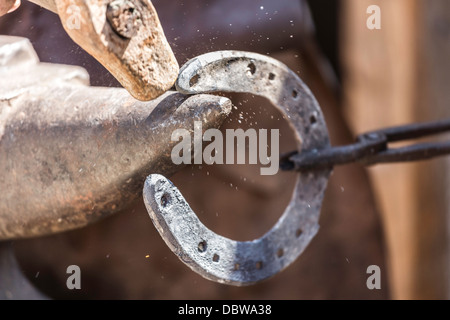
396	75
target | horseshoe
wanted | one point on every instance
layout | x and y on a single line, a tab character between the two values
245	262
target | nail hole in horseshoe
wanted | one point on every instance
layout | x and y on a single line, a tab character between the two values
312	119
271	76
194	80
280	253
202	246
298	233
259	265
165	200
237	266
251	69
294	94
216	257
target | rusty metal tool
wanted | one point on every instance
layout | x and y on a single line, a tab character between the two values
213	256
70	153
126	37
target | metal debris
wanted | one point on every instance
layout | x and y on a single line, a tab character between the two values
218	258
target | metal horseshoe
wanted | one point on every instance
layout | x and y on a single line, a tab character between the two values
245	262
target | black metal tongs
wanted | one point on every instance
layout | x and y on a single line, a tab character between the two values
373	148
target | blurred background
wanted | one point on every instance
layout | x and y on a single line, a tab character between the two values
396	75
394	216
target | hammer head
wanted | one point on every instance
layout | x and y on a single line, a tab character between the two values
127	38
